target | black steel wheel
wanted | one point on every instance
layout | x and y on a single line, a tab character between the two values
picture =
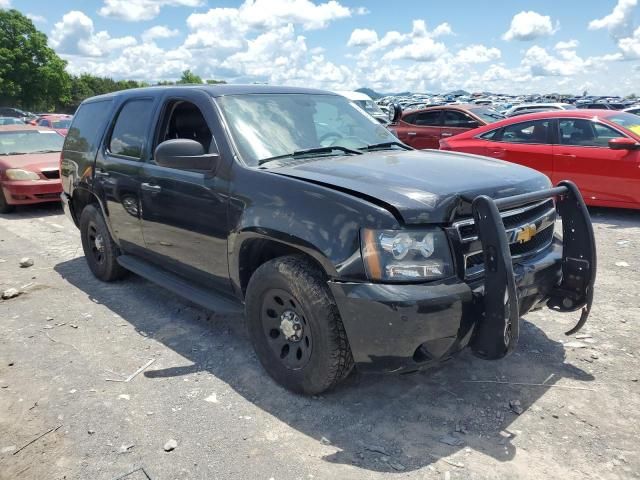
100	250
295	326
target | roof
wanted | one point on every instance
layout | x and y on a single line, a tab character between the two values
540	105
450	106
55	115
353	95
218	90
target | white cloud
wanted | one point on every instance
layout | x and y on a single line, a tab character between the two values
542	63
420	49
442	29
273	13
478	54
630	46
159	31
36	18
74	35
619	22
362	37
569	45
5	3
137	10
529	26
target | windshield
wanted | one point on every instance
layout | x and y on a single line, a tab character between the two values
626	120
270	125
11	121
30	141
64	123
489	115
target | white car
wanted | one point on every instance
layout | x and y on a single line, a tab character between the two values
364	102
634	109
536	107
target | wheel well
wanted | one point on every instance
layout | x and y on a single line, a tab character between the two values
259	251
80	199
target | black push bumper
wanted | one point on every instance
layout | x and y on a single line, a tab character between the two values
405	327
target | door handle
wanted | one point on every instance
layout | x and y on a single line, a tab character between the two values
447	135
102	173
411	134
566	155
497	151
147	187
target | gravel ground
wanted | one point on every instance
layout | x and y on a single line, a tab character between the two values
67	334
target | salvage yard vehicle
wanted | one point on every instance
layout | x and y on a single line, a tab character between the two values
29	166
536	107
364	102
342	245
599	150
424	128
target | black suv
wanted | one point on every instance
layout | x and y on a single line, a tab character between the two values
342	245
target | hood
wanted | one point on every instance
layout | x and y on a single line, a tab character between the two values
62	131
420	186
35	162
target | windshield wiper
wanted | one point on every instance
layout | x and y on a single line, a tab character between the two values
311	151
386	145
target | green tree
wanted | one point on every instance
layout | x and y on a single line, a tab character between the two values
189	77
32	76
216	82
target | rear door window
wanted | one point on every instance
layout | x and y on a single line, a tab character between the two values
130	132
535	132
455	119
427	119
88	125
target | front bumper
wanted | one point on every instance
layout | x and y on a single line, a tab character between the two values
404	327
26	192
395	328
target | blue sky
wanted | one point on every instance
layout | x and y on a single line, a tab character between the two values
515	47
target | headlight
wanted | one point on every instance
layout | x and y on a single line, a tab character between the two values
19	174
406	255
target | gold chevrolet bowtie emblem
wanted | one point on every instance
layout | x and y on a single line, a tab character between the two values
526	233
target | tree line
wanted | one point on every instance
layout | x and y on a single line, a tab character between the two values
33	77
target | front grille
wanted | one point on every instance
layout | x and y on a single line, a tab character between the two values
542	215
51	174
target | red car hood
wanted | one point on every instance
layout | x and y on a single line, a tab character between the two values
62	131
31	161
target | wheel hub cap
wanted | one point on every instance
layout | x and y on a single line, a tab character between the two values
99	243
291	326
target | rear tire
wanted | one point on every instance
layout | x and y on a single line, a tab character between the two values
100	250
4	206
295	326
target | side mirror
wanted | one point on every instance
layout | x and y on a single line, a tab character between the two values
395	112
184	154
623	143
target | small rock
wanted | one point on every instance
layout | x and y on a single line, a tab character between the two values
8	449
515	406
451	440
211	398
555	415
73	390
170	445
622	264
622	242
397	465
123	396
73	325
377	449
26	262
595	356
10	293
91	432
125	448
325	441
581	336
49	319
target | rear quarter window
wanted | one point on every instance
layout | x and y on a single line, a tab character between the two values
87	127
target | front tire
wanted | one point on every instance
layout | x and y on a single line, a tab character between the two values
100	250
4	206
295	326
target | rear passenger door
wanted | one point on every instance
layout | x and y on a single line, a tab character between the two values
526	143
421	129
184	212
455	122
118	169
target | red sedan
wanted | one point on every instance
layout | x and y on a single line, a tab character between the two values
59	122
29	166
597	149
424	128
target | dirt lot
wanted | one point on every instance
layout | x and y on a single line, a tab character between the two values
67	333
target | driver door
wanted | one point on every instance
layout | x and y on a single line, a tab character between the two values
184	212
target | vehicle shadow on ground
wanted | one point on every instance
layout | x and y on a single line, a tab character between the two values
377	423
615	217
39	210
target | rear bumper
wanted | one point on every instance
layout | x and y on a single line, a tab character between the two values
395	328
28	192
